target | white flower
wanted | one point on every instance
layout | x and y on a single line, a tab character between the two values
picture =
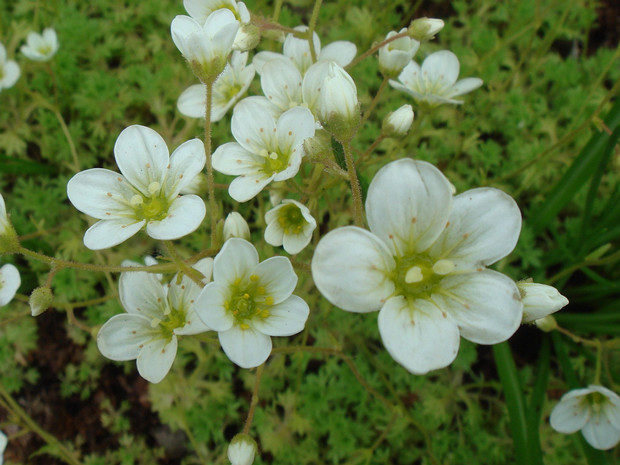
435	82
41	47
205	45
9	70
156	315
423	265
9	283
3	442
289	224
397	123
248	302
594	410
145	194
241	450
236	226
266	149
540	300
298	51
9	241
227	89
397	54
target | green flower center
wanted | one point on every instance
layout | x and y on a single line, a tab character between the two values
274	162
230	92
44	50
248	300
417	275
153	208
173	318
291	219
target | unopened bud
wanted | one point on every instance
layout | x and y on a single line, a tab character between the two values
241	450
247	38
318	146
546	324
235	226
197	186
397	123
397	54
424	29
9	243
539	300
40	300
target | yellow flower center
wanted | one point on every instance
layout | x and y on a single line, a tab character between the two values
153	208
248	301
291	219
417	275
274	162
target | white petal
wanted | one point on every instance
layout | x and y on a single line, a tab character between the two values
231	158
262	58
141	293
210	306
122	336
245	347
442	66
294	243
341	51
298	50
108	233
409	76
237	260
465	85
11	74
484	227
185	163
599	432
274	234
285	319
252	124
408	205
156	358
293	127
192	102
184	216
281	83
486	305
9	283
142	156
351	267
276	275
569	415
418	335
246	187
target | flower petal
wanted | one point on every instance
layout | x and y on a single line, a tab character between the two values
465	85
246	187
253	125
285	319
276	275
247	348
570	414
231	158
156	358
486	305
408	205
262	58
237	260
293	127
185	163
184	216
142	156
599	432
341	51
281	83
9	283
418	335
192	102
483	227
122	336
442	66
141	293
210	306
351	268
108	233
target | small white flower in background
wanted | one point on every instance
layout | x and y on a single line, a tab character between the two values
9	70
425	29
594	410
3	442
200	10
236	226
540	300
267	149
423	265
398	122
41	47
290	224
145	194
241	450
206	45
9	283
298	51
248	302
156	314
227	89
397	54
331	94
436	81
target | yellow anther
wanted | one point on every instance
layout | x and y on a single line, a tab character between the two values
226	305
154	187
244	326
246	296
414	275
237	281
444	267
264	313
273	155
167	310
254	278
136	200
269	300
260	290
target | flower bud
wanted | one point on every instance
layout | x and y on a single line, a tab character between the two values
397	54
546	324
241	450
424	29
40	300
332	96
9	243
539	300
236	226
397	123
247	38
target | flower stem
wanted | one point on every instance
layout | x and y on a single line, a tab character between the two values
374	48
356	190
375	100
190	272
254	402
311	26
210	179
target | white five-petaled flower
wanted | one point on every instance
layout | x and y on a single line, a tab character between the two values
248	302
227	89
397	54
9	283
540	300
435	82
289	224
41	47
423	264
156	314
145	194
206	45
9	70
267	149
298	51
594	410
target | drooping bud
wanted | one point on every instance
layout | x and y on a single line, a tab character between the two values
40	300
397	123
241	450
397	54
235	226
248	37
425	29
539	300
546	324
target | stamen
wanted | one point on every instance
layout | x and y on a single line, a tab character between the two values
254	278
155	322
154	187
414	275
444	267
136	200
